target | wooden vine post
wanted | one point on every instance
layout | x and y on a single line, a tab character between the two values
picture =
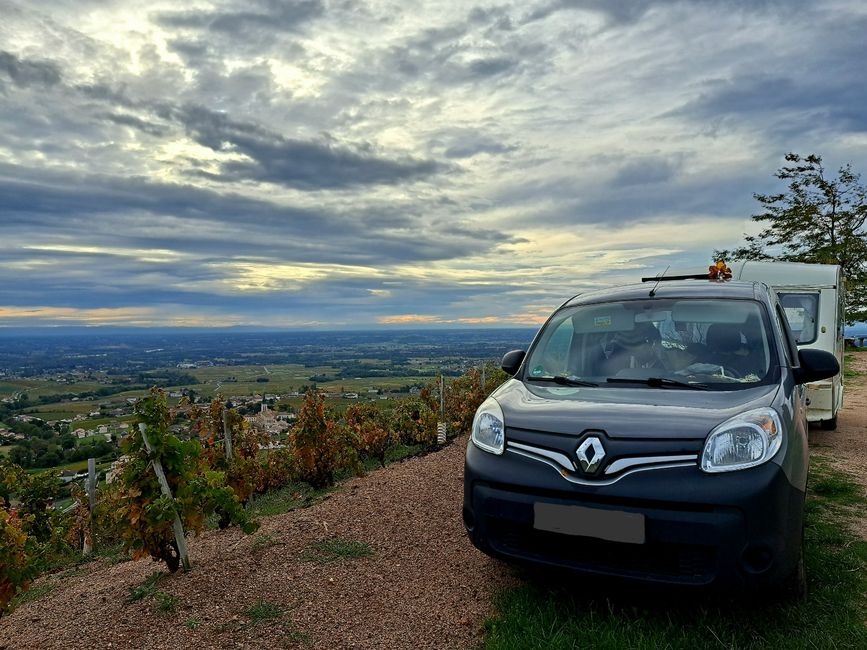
441	425
227	434
91	498
166	490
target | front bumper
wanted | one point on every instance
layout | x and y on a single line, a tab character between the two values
730	530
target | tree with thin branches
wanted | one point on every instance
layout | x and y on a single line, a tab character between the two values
818	219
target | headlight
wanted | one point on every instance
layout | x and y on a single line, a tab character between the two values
746	440
489	427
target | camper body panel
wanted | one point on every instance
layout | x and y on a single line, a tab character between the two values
812	295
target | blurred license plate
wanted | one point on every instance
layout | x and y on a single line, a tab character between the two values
613	525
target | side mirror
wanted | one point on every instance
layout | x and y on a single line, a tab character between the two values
815	365
512	361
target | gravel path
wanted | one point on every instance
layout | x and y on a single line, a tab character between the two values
424	587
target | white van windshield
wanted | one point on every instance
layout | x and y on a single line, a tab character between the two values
718	343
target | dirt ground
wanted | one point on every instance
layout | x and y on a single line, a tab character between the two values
424	587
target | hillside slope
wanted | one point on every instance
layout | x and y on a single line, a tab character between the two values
424	587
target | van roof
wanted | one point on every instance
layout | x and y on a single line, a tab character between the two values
775	274
733	289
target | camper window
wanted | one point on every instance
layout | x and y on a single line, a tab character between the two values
802	312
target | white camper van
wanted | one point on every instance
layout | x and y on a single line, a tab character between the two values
812	296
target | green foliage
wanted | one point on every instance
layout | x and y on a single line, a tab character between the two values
370	428
465	394
321	446
143	514
817	220
414	422
33	534
17	568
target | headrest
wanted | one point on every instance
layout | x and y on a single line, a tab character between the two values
723	338
641	334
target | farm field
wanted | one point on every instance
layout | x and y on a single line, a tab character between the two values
284	378
227	381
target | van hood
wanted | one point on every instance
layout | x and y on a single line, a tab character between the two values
625	411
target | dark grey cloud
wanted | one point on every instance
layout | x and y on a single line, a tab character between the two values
193	52
489	67
617	11
146	214
467	143
481	48
28	72
621	12
785	105
306	164
136	123
297	163
244	17
645	171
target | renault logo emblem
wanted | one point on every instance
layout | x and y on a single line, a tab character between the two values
590	454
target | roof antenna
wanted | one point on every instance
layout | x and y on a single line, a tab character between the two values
658	279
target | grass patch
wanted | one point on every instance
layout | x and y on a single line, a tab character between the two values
34	593
70	562
848	371
399	452
165	603
263	610
147	588
263	541
294	637
333	549
73	573
539	615
291	497
192	623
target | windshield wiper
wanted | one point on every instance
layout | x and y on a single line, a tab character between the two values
563	380
656	382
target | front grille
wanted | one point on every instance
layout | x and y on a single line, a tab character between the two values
685	562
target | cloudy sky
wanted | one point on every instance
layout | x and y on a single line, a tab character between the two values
364	163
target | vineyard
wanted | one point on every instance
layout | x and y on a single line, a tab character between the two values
171	485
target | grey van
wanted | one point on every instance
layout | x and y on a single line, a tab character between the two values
654	432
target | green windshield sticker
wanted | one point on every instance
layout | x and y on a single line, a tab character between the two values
538	370
602	321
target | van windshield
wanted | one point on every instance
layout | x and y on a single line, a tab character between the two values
721	344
